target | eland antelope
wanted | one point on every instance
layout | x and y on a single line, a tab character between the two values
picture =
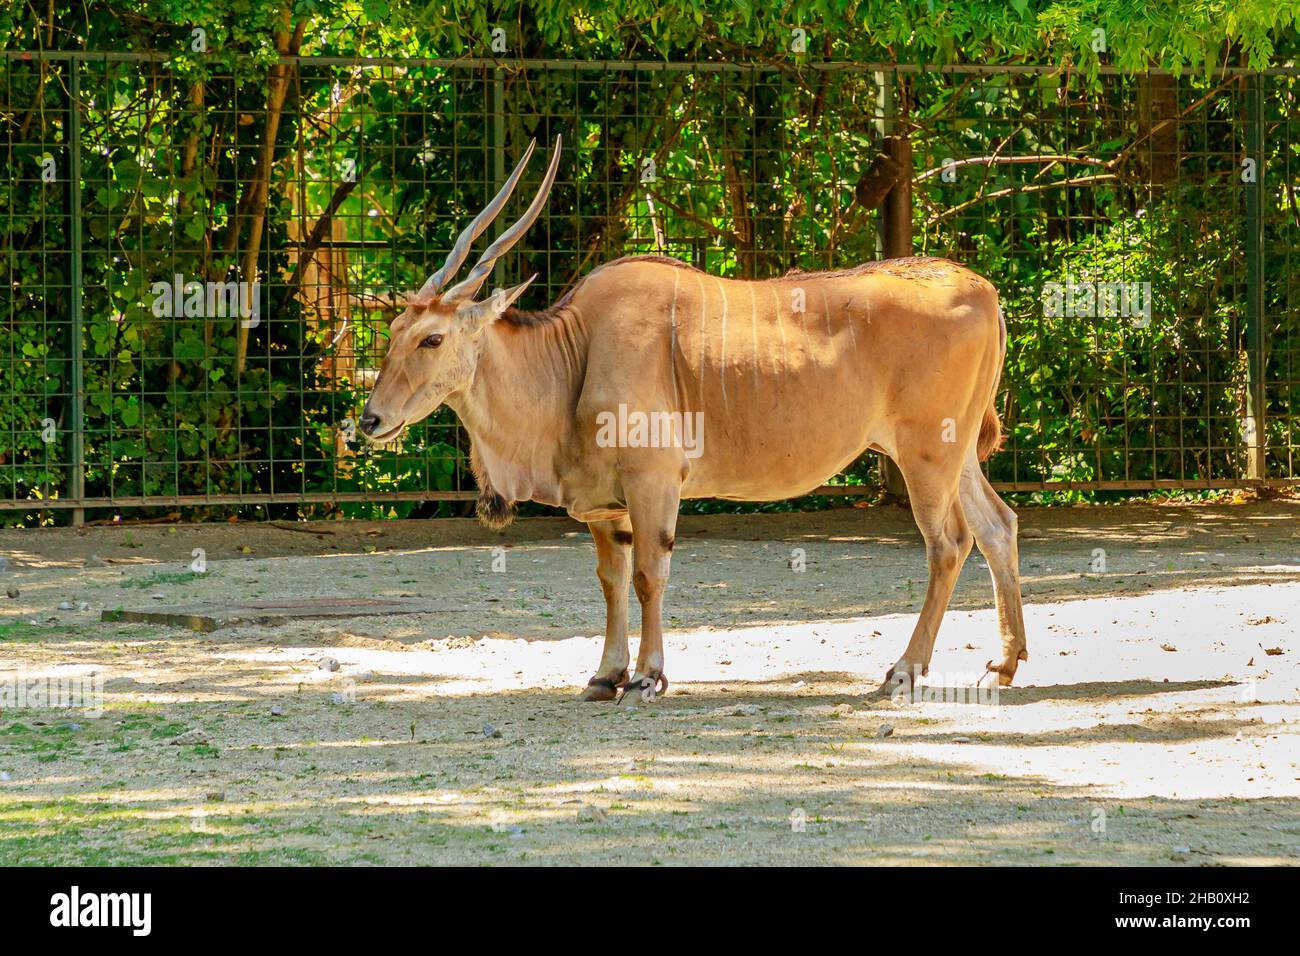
746	390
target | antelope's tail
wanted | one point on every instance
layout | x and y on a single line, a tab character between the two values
990	436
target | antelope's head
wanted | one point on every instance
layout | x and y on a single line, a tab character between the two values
433	345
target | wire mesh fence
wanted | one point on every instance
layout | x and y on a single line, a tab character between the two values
200	262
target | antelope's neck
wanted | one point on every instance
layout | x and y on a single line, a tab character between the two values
519	407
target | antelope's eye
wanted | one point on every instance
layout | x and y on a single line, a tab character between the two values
432	341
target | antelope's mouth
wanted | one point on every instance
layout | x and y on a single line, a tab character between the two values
385	437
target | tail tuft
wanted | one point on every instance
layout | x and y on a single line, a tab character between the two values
990	438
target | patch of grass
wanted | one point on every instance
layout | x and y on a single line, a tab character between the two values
61	835
22	631
48	751
46	744
138	721
58	729
165	577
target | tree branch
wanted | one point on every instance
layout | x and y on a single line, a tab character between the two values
687	214
1081	181
286	44
1008	161
307	252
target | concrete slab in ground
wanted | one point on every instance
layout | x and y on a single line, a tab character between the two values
210	617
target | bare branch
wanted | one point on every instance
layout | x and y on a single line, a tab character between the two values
384	302
1080	181
686	214
1008	161
318	231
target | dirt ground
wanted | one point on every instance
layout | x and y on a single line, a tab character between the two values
1156	721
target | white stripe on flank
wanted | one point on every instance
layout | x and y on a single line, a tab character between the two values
826	312
699	372
672	351
803	324
848	320
722	361
780	327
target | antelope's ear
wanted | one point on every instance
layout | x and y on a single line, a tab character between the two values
478	315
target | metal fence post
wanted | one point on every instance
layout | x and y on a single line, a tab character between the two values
1256	395
77	483
894	225
499	152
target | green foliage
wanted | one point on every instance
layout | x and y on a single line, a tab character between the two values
1182	35
756	174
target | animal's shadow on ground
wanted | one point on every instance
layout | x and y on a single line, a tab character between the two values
868	692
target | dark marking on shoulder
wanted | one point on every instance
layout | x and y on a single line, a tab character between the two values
523	319
666	540
623	537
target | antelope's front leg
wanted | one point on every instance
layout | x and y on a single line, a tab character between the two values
653	509
614	569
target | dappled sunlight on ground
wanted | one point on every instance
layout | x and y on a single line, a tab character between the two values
1157	720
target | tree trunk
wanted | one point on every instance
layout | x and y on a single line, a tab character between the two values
896	232
286	44
1157	160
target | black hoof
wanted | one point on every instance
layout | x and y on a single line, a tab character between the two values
603	688
645	688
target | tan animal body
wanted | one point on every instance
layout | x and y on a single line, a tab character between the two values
651	382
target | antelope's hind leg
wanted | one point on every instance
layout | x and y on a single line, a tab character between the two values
994	526
614	569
